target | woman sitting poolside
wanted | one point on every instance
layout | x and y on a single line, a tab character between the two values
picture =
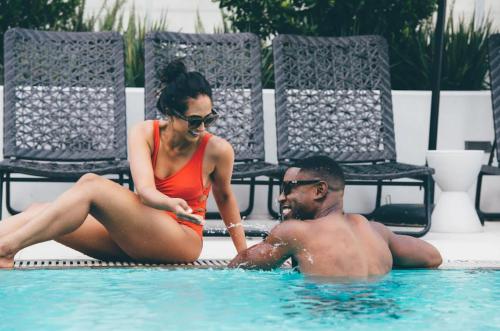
173	162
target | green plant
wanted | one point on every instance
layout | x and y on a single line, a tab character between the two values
395	19
226	26
391	18
465	56
407	25
111	19
198	24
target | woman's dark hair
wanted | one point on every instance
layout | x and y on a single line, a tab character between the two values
179	85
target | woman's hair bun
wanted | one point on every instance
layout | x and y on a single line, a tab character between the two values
173	70
177	86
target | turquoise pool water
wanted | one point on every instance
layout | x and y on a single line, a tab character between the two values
162	299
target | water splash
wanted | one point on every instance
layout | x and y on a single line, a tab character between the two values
308	256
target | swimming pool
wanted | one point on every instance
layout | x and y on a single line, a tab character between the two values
219	299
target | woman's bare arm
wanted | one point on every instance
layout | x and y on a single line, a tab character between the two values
140	149
224	196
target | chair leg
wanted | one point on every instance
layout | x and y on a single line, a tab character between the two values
270	208
130	182
244	213
379	195
378	201
483	216
10	209
251	199
428	185
428	201
478	198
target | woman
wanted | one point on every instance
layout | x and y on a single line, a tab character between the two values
173	162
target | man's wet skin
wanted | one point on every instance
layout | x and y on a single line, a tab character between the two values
330	243
325	241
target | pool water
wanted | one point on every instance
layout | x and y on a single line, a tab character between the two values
163	299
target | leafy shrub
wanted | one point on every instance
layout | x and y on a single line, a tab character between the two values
391	18
465	57
67	15
111	19
406	25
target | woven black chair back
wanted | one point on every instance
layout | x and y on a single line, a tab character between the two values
494	62
64	96
231	64
333	97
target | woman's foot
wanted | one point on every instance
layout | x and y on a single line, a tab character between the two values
6	262
6	258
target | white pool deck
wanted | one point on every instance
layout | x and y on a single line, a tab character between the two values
476	250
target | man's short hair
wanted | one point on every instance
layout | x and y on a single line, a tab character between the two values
325	168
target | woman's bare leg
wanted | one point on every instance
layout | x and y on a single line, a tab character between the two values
92	239
143	233
12	223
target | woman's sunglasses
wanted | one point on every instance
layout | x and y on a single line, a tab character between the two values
288	186
195	121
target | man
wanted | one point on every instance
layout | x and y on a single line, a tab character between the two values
325	241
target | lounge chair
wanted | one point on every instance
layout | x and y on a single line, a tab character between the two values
490	169
333	97
64	111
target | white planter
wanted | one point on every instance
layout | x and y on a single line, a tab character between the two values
455	171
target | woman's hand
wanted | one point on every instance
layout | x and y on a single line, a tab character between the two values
178	205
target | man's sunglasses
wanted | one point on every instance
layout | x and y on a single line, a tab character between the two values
288	186
195	121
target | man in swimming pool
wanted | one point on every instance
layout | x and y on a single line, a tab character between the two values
323	239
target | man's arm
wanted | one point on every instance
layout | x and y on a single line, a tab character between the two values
409	252
270	253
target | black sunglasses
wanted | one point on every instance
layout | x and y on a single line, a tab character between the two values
288	186
195	121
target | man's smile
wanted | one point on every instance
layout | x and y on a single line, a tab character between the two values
285	210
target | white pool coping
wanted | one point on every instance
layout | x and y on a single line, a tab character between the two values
459	250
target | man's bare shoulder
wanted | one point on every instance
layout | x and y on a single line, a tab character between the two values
356	218
288	229
376	227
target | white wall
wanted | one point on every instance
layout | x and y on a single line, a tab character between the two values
463	116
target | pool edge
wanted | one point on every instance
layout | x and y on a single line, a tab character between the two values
201	264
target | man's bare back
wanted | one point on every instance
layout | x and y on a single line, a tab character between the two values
338	245
325	241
